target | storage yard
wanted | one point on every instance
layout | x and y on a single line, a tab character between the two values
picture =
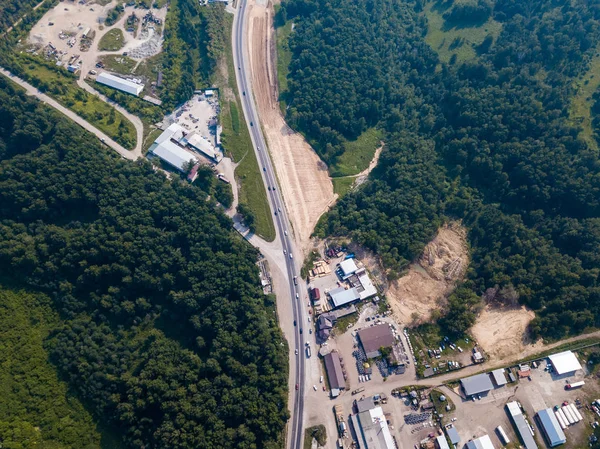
70	32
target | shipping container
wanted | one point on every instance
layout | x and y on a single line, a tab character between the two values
574	412
563	416
560	420
567	413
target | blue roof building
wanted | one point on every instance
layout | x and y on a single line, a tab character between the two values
552	430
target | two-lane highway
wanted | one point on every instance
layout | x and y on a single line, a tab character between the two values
296	292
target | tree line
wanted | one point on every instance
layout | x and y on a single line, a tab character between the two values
165	333
488	141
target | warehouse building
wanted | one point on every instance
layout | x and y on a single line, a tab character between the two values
483	442
372	431
551	428
565	363
441	442
499	377
335	373
478	384
521	425
168	150
453	435
374	338
202	145
340	296
119	83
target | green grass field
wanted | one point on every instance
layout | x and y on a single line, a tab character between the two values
113	40
580	110
455	41
341	186
284	58
64	89
117	63
357	154
236	141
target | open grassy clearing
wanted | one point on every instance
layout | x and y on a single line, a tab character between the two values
357	154
284	58
62	87
580	110
236	141
459	41
113	40
341	186
118	63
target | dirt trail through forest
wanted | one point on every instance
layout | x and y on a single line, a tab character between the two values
305	183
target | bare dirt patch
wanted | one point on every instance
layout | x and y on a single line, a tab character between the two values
427	284
305	183
502	331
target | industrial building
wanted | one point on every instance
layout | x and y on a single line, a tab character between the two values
120	83
565	363
202	145
335	373
483	442
166	148
551	428
372	431
453	435
499	377
441	442
340	296
478	384
374	338
522	426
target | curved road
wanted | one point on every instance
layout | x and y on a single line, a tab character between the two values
281	221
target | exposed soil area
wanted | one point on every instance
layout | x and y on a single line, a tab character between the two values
305	183
502	331
425	287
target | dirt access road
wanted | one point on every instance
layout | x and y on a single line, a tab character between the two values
305	183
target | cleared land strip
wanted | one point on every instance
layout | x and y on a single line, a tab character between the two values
31	90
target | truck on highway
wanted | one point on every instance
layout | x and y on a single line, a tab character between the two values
574	385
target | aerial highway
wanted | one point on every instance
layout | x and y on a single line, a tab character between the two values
296	292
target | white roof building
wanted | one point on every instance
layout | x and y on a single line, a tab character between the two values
201	144
340	296
368	287
174	131
565	362
483	442
119	83
373	431
173	154
499	377
348	267
442	443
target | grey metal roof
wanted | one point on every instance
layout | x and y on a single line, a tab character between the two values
552	429
479	383
453	435
334	371
521	425
365	404
375	337
499	377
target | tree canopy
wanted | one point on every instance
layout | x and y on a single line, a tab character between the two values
165	331
489	140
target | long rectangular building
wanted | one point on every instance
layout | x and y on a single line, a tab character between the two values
120	83
372	431
552	430
521	425
335	374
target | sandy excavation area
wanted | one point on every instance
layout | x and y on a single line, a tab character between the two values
425	287
502	331
305	183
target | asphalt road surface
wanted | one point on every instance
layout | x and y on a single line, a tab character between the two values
296	293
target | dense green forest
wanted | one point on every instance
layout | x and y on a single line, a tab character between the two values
36	408
12	10
488	140
164	331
